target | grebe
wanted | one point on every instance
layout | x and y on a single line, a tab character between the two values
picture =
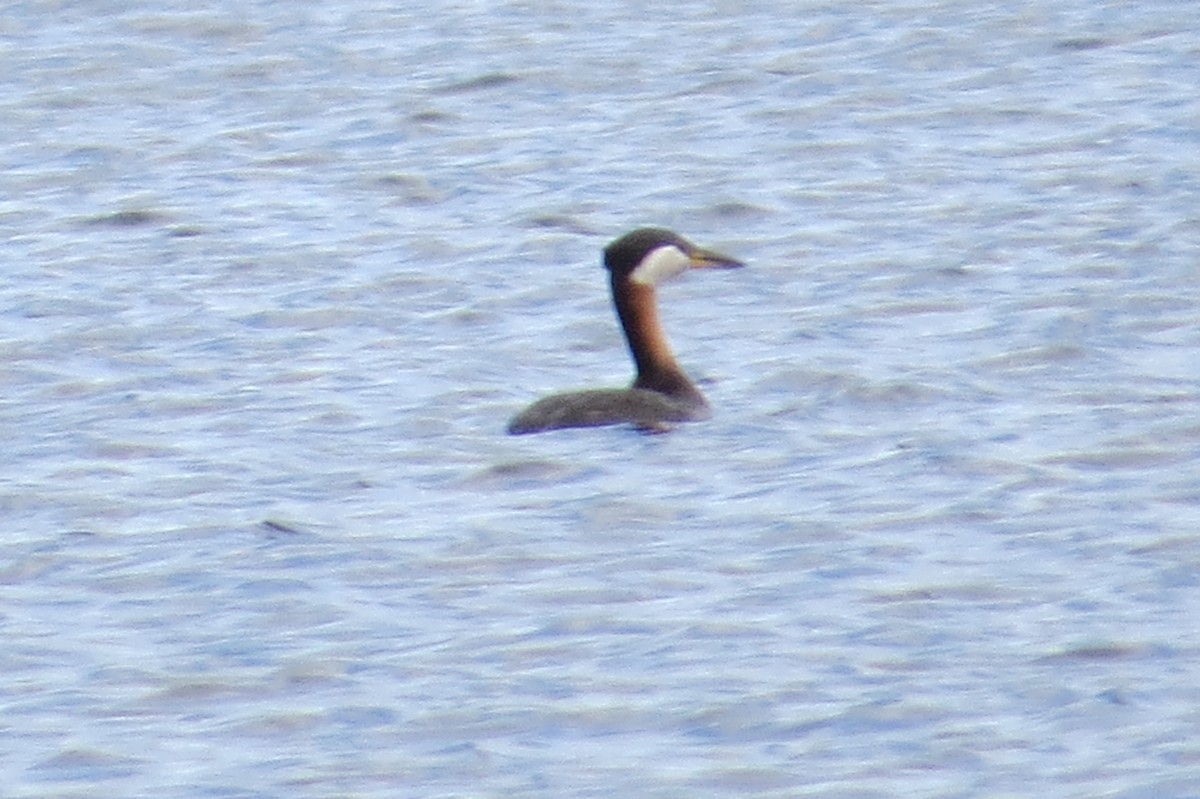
661	392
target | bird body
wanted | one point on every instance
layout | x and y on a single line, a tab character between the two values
661	393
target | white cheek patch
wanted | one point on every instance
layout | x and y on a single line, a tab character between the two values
661	263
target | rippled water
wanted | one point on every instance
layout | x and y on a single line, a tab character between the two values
276	277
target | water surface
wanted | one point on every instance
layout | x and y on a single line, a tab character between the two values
275	279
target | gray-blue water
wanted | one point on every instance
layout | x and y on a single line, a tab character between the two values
275	275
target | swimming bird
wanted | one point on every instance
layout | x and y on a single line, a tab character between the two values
661	392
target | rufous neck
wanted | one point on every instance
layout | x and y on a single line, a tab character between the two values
657	370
